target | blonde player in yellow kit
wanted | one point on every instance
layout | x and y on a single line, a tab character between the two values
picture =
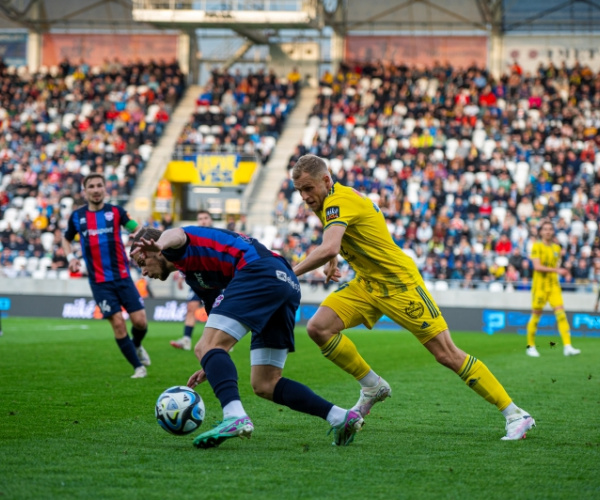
387	282
545	288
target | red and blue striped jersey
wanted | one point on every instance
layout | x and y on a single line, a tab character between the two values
212	256
101	243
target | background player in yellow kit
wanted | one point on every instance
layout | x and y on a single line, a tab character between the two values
387	282
545	288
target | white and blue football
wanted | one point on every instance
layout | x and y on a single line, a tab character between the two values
179	410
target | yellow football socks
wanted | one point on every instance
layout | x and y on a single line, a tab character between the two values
563	326
532	325
479	378
342	351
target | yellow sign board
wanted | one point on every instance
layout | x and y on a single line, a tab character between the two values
211	170
216	170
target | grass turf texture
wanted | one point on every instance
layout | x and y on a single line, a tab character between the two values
74	425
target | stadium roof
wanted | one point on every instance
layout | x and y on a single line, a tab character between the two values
61	15
576	16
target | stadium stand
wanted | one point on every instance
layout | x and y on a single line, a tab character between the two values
59	125
463	166
239	113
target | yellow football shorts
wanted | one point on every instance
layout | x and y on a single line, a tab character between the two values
414	309
539	298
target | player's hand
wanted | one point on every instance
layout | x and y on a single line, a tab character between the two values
196	378
145	246
562	271
179	280
75	265
332	273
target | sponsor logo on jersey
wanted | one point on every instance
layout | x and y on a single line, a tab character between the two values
200	280
425	325
83	220
218	300
96	232
283	276
415	309
332	213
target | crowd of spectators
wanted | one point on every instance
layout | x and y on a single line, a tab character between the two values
463	166
239	113
58	125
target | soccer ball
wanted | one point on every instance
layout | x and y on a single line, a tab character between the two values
179	410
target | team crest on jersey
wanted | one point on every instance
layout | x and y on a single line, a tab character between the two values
217	301
415	310
332	213
109	216
83	220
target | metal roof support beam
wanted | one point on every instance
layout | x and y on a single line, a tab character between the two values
541	14
255	36
381	14
454	15
16	16
239	53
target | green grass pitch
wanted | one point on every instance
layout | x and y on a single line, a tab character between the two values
73	425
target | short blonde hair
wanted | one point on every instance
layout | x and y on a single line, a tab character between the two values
311	164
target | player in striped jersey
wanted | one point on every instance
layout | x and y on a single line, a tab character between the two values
545	288
98	225
387	282
204	219
245	287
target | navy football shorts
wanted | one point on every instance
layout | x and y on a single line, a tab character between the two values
193	296
111	295
264	296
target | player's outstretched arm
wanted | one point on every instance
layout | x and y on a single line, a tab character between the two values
172	238
325	252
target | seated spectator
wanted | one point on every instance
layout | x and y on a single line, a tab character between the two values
59	259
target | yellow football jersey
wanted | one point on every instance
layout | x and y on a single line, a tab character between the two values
549	256
380	265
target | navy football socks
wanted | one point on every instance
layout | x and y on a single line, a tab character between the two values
222	376
301	398
138	335
128	350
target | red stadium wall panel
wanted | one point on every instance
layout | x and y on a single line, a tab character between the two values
95	49
460	51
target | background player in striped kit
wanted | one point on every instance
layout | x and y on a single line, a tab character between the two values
98	225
